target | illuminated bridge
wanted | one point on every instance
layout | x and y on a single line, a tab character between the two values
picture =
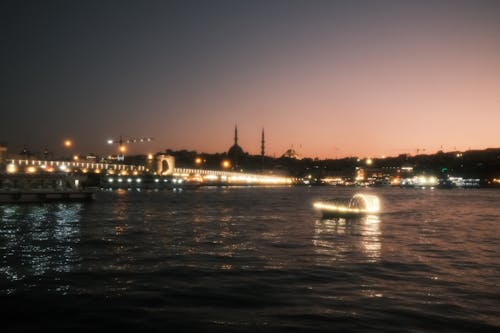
196	175
34	166
203	175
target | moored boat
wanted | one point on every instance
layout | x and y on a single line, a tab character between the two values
359	205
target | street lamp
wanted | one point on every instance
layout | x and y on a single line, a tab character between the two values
226	164
68	144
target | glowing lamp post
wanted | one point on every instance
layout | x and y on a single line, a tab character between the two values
226	164
68	144
121	156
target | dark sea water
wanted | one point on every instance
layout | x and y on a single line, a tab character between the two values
246	259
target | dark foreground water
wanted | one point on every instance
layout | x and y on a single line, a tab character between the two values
252	259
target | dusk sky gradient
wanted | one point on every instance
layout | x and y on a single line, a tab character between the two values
331	78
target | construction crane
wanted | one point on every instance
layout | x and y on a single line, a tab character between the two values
122	142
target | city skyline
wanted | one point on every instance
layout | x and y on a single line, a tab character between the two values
330	78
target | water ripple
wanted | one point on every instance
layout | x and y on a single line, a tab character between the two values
246	259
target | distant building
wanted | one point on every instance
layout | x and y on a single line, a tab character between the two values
291	153
47	155
235	152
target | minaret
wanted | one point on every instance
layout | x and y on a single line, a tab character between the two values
262	144
235	134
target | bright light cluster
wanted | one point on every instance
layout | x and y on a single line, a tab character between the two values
252	179
231	177
420	181
359	204
368	202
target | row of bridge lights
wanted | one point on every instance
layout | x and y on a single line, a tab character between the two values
13	169
139	180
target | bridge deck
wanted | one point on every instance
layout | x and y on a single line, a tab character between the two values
93	167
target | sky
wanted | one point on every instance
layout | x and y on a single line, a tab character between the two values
329	79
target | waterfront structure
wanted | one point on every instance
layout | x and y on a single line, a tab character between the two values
42	187
165	167
165	164
235	152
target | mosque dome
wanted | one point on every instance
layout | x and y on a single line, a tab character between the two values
291	153
235	152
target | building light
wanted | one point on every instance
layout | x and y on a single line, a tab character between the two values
11	168
31	169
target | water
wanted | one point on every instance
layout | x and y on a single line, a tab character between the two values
248	259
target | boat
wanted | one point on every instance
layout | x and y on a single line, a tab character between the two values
359	205
190	183
27	188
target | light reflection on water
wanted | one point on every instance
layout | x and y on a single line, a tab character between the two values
215	255
38	239
348	239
